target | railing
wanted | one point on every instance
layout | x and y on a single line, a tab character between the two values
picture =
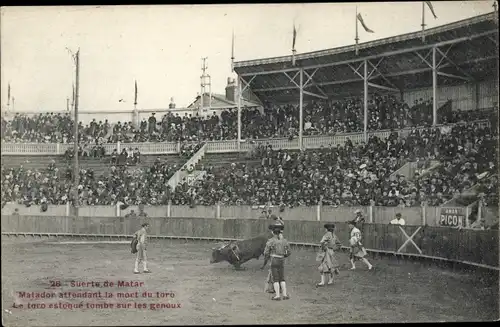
472	247
422	215
309	142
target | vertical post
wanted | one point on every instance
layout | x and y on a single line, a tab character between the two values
76	168
169	209
423	21
356	38
434	88
424	215
370	214
301	109
318	210
476	95
479	210
467	213
135	115
239	113
365	102
217	211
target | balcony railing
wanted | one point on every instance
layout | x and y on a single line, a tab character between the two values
309	142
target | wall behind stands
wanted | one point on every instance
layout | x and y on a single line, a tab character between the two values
383	215
471	246
463	96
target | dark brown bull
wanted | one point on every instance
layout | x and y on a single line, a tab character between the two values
239	252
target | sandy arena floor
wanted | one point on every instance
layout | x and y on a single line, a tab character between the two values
396	291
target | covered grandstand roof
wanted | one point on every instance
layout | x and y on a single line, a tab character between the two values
466	51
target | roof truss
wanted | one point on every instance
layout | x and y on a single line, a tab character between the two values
378	75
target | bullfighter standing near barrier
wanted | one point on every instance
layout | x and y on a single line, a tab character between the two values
141	243
329	264
277	249
358	252
269	288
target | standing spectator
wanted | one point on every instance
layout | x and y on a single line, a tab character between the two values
398	220
114	156
16	212
137	156
152	123
359	219
142	214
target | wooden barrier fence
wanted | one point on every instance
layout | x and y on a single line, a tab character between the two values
473	247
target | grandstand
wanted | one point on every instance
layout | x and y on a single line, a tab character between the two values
395	105
398	127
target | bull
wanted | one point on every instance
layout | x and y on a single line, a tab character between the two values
239	252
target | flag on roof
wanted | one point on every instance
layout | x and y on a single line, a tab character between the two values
363	24
294	37
135	93
429	4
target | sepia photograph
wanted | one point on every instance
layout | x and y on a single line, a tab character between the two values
250	164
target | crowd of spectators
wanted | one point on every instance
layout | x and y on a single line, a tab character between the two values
189	149
86	150
488	190
353	174
123	185
324	117
51	128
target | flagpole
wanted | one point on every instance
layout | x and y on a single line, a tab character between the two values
293	44
73	97
136	114
8	97
232	53
357	36
423	21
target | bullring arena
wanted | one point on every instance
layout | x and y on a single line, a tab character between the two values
71	265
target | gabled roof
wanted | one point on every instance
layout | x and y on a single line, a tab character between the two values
219	101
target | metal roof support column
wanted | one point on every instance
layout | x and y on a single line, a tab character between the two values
301	113
434	87
365	102
239	113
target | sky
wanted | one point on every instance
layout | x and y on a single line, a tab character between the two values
161	46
